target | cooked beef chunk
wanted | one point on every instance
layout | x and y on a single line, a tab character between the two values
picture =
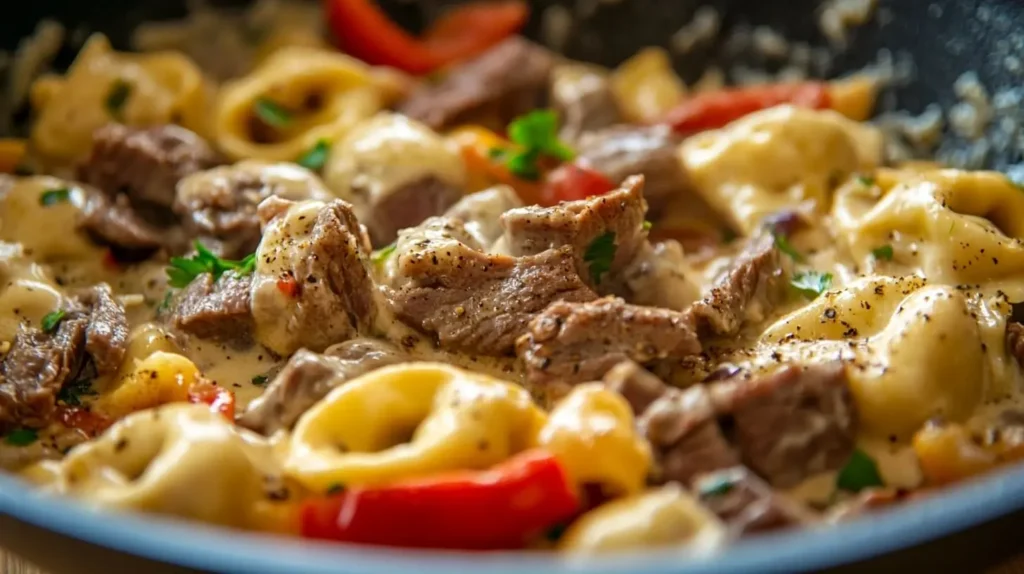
583	97
408	206
651	151
792	423
92	330
320	252
114	222
746	292
308	377
638	386
218	310
572	342
506	81
746	504
683	431
1015	341
480	302
144	164
531	230
657	277
219	205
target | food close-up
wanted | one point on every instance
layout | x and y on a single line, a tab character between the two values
329	278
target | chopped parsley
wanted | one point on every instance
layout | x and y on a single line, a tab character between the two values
811	283
336	488
859	473
183	270
883	253
782	242
117	97
271	113
536	136
866	180
165	303
54	196
599	255
381	255
21	437
648	225
259	380
717	487
52	319
315	158
71	394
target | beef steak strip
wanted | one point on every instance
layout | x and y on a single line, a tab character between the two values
106	337
308	377
219	310
1015	341
747	504
506	81
409	206
582	95
638	386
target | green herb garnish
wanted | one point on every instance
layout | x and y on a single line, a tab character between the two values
54	196
883	253
717	487
315	158
536	136
183	270
866	180
648	225
117	97
859	473
381	255
336	488
259	380
165	304
271	113
599	255
782	242
811	283
52	319
71	394
21	437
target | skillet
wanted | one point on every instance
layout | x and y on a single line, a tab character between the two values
964	528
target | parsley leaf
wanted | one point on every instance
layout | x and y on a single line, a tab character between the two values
336	488
315	158
183	270
22	437
54	196
648	225
117	97
859	473
715	487
599	255
381	255
71	393
272	113
782	242
259	380
882	253
52	319
811	283
536	134
165	304
866	180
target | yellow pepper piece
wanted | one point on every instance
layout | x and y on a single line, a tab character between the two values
854	97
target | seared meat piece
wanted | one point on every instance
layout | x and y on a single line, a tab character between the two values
657	277
114	222
638	386
792	423
573	342
218	310
144	163
530	230
583	97
683	431
92	330
746	504
308	377
474	301
1015	341
506	81
312	287
408	206
218	206
746	292
651	151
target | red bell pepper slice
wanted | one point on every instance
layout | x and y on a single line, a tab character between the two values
89	422
363	30
572	181
712	110
221	400
499	508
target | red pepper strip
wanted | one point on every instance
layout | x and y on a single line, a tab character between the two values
289	286
221	400
82	419
572	181
713	110
499	508
363	30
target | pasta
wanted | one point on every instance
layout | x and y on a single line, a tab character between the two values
646	86
159	378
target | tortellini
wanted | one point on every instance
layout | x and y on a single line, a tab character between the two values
31	208
410	420
293	100
160	378
954	227
103	86
27	293
777	159
160	460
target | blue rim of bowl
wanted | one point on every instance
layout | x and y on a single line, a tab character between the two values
199	546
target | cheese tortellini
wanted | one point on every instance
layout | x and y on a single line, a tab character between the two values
103	86
27	292
32	207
